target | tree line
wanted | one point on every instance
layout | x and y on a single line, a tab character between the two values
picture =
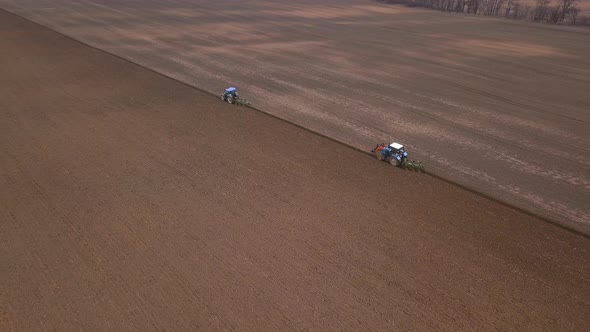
550	11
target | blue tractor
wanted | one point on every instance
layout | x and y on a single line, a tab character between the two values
230	95
393	153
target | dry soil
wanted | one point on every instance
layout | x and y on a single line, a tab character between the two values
496	105
130	201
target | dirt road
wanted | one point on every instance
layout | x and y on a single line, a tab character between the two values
496	105
131	201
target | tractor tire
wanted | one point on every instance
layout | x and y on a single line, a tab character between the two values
379	156
394	162
230	99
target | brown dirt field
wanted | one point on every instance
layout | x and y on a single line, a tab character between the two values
130	201
495	105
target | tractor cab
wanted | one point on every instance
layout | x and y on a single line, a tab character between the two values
230	95
230	91
397	148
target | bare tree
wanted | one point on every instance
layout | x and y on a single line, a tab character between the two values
541	10
567	8
573	12
563	11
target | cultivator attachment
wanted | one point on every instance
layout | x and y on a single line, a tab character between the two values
412	165
242	102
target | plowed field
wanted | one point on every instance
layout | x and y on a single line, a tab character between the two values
496	105
132	201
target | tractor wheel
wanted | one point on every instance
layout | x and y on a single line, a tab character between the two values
394	161
230	99
379	156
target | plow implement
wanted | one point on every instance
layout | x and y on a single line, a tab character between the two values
396	155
